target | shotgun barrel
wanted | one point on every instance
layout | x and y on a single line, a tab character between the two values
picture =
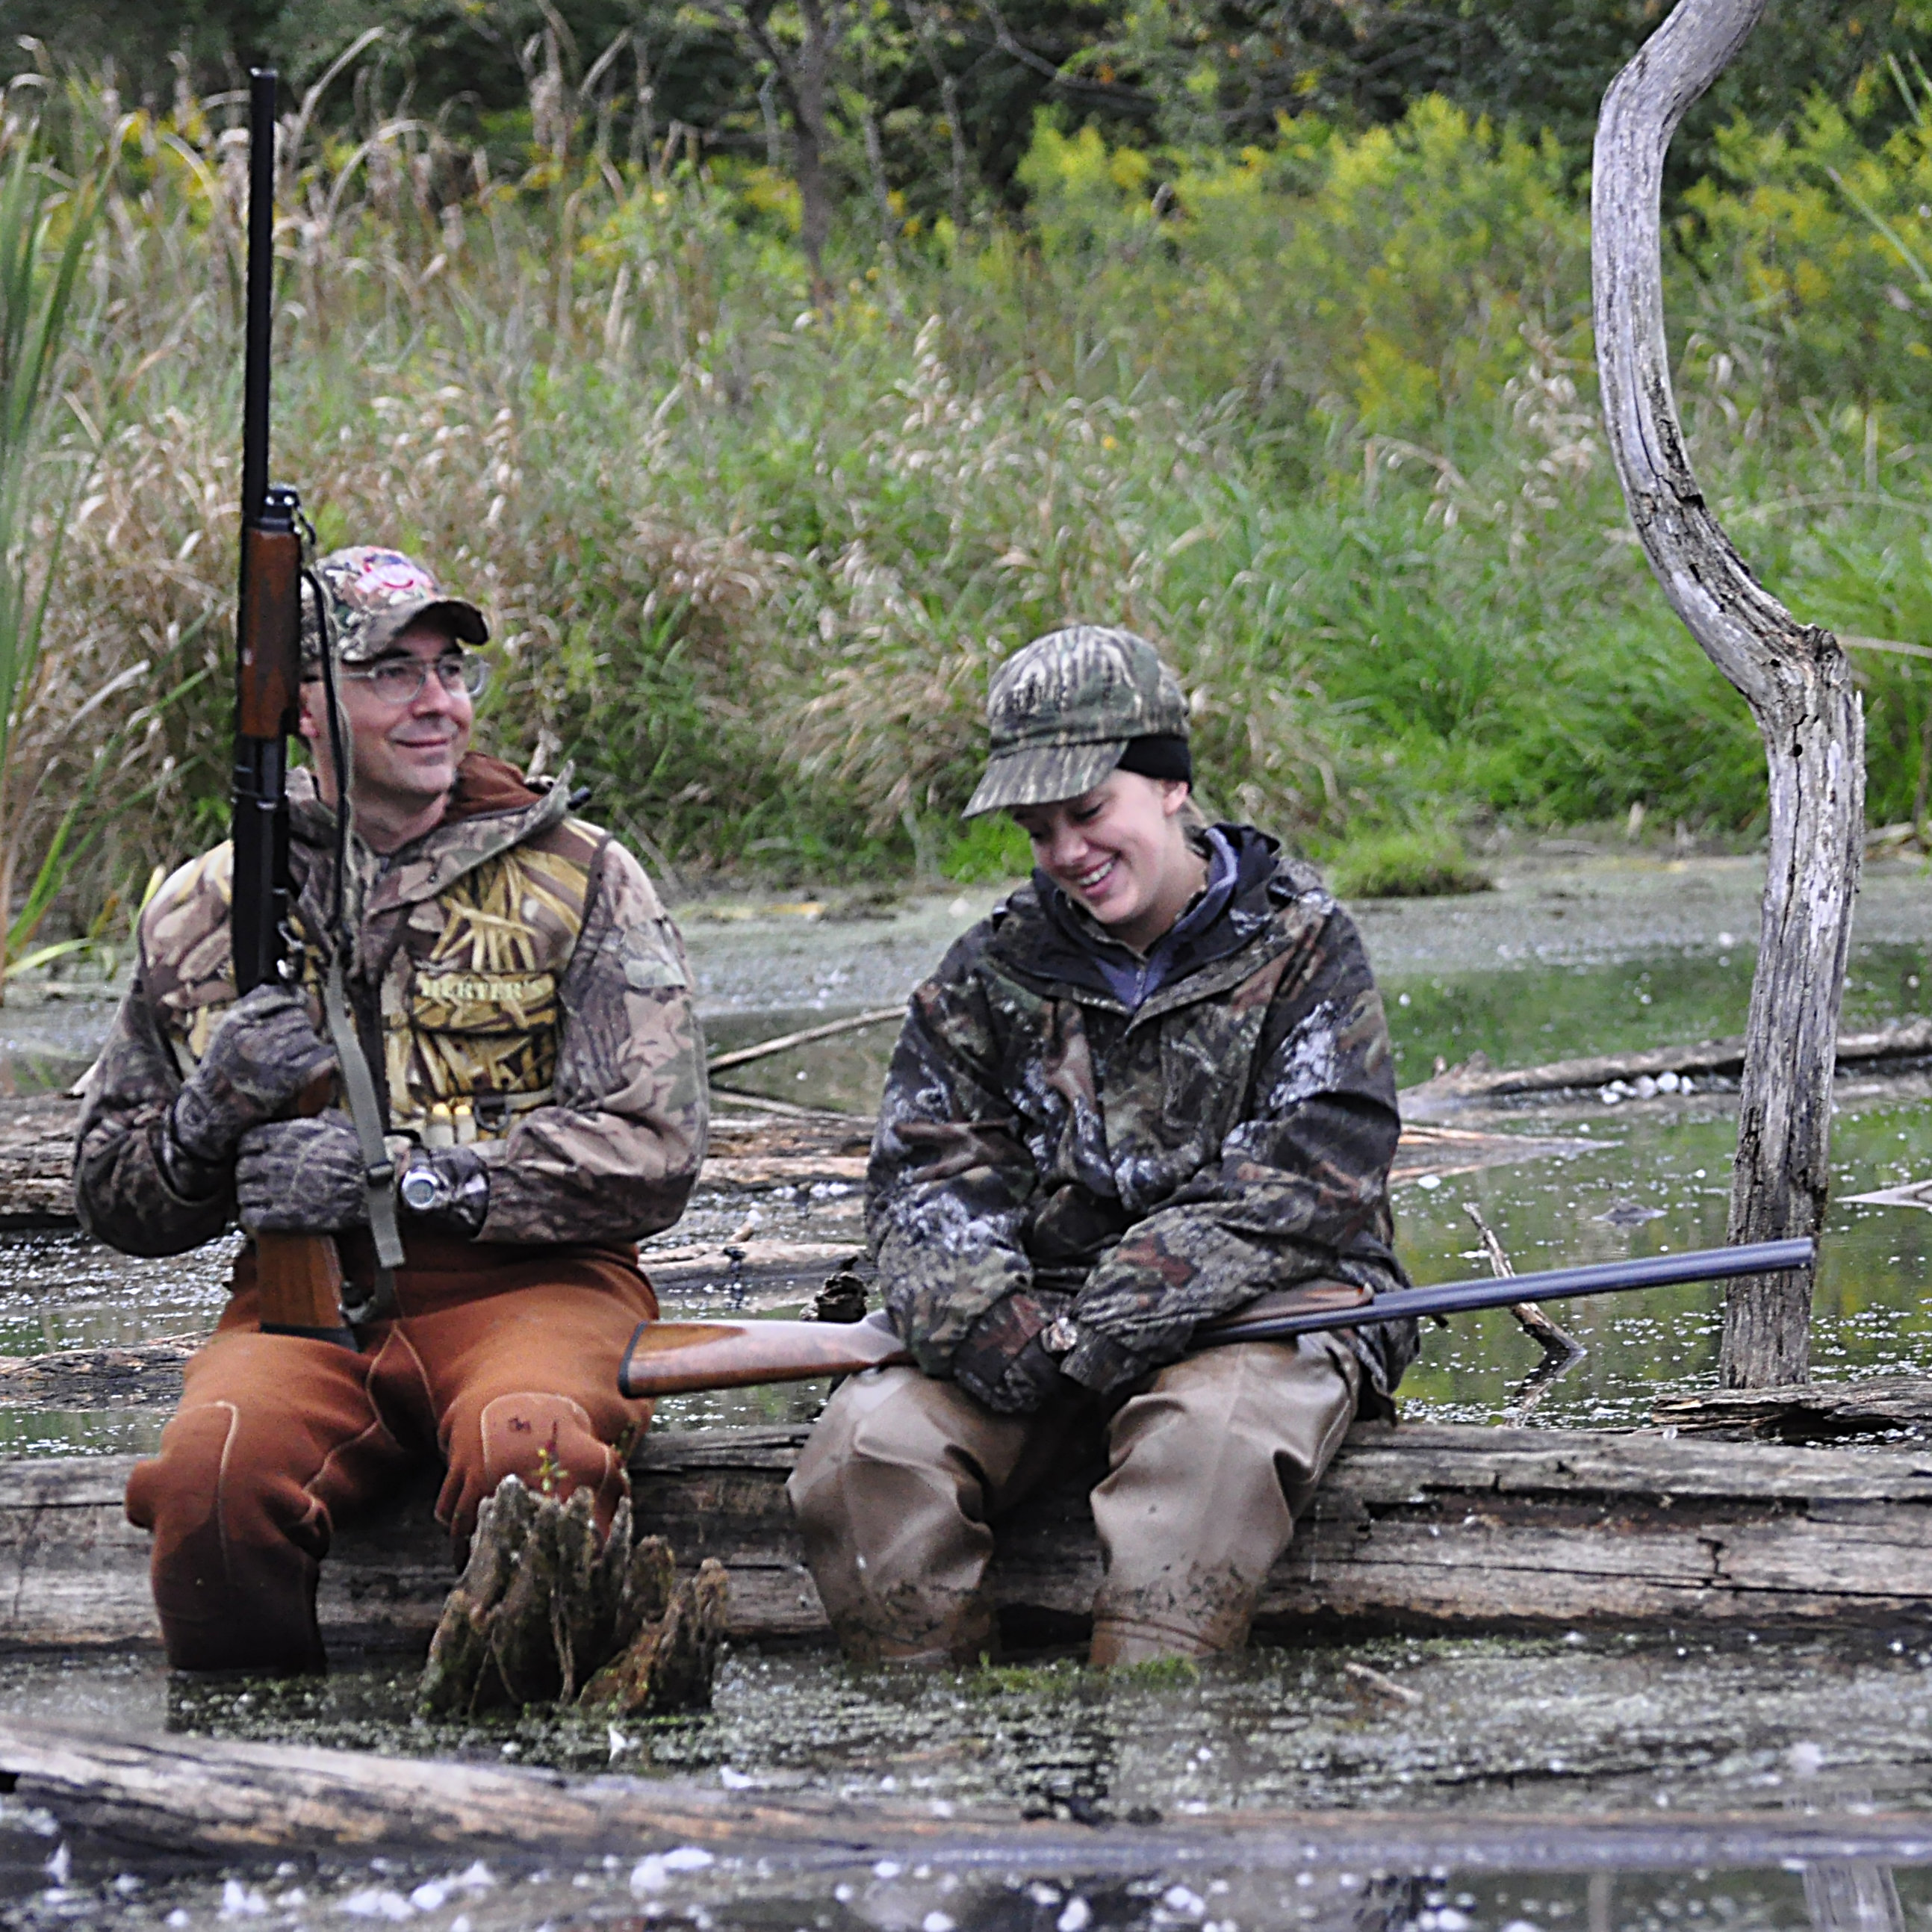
674	1357
267	641
299	1276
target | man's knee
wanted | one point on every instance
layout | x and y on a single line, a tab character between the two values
237	1542
547	1441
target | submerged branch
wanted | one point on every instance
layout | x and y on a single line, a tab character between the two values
1561	1351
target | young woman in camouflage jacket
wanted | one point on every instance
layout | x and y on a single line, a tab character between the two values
1154	1088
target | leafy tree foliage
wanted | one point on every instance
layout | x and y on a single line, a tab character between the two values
934	101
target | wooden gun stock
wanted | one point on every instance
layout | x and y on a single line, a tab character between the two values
676	1358
298	1277
673	1357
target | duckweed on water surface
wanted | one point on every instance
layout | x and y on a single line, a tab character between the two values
1550	1733
1572	1725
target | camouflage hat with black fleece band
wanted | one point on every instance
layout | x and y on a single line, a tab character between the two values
374	595
1061	712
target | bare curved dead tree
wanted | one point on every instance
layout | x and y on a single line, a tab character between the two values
1794	677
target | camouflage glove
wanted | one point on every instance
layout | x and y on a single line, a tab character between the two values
302	1176
1004	1363
447	1188
261	1056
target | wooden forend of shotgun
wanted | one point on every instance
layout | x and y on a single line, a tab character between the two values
298	1277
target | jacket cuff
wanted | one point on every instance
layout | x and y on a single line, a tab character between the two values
1098	1363
193	1181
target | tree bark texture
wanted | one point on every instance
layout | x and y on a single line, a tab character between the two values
1794	677
1427	1530
806	79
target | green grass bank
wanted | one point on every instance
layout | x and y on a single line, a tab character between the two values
1318	416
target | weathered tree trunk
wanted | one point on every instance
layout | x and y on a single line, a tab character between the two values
1794	677
805	76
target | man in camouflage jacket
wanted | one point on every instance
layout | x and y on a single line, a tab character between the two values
1084	1152
521	999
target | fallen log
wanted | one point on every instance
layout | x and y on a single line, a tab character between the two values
1811	1412
784	1042
1721	1058
136	1374
1416	1528
36	1160
182	1795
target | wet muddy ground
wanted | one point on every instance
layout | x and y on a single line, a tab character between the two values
1569	958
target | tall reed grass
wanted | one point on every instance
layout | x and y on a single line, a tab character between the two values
1318	417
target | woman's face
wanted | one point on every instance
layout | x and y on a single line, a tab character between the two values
1120	851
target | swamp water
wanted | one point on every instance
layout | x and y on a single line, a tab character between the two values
1554	1732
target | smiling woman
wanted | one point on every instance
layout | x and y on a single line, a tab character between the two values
1153	1088
1122	852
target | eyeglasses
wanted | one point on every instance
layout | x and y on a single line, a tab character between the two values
399	680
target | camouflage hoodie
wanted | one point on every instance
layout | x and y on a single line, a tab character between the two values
513	969
1230	1135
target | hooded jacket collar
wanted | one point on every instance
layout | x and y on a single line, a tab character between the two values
1042	935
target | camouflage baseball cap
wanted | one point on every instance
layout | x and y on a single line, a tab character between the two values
374	595
1062	711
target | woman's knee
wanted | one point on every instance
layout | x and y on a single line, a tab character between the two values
889	1427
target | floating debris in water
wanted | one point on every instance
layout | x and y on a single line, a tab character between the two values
1630	1214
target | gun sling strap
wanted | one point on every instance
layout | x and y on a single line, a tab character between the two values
379	1171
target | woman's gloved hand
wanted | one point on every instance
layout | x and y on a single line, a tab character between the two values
1003	1361
264	1054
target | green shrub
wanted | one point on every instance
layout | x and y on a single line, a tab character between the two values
1404	865
988	848
1318	417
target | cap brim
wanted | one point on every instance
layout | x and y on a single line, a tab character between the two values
465	621
1042	775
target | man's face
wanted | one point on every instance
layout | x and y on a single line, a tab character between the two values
404	753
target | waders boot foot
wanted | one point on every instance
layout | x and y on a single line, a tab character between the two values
1119	1642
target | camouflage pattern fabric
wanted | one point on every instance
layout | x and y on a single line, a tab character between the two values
374	595
1060	713
517	984
1231	1136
